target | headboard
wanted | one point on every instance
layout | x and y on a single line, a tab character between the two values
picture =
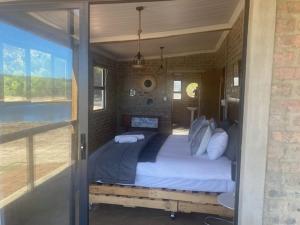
145	122
140	122
233	108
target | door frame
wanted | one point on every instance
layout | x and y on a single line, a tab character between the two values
256	87
79	192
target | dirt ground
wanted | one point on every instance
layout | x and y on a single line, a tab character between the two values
51	150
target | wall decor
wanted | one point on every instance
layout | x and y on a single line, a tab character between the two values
149	101
132	92
236	74
148	83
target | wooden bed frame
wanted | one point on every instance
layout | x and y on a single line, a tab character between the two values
160	198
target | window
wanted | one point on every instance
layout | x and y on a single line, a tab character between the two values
177	89
99	74
191	90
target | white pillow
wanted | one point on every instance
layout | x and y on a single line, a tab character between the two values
204	141
217	144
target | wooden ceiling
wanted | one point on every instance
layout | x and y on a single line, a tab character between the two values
183	26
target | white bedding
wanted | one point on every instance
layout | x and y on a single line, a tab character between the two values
175	168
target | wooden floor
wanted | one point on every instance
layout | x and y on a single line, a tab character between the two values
118	215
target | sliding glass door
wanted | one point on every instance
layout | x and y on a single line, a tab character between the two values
43	81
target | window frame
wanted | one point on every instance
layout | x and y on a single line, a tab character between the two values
177	92
101	88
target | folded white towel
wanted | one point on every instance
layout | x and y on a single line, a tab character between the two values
123	139
138	136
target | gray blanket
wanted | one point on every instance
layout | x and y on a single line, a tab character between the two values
116	163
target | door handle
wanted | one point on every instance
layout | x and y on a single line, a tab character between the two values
83	146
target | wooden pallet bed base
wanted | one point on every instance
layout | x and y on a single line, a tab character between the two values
156	198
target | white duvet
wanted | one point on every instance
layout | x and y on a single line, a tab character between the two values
175	168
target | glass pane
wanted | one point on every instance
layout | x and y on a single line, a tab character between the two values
13	171
98	77
50	158
177	96
98	99
14	70
38	65
177	86
62	82
40	73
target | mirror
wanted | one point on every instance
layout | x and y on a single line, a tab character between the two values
148	83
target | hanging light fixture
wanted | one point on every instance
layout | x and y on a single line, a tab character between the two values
139	61
162	68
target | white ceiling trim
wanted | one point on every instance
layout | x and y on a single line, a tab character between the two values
236	13
163	34
221	40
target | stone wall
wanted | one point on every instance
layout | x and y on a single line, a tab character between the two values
102	123
282	190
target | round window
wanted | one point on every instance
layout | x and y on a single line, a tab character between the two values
191	90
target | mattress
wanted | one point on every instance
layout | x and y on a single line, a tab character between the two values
175	168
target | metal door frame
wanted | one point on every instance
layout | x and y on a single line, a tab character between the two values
80	184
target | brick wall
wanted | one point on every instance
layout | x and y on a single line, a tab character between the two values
282	190
230	53
102	124
130	78
177	67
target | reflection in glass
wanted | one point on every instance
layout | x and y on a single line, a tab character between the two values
36	74
14	71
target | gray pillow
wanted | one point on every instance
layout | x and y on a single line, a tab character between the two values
225	124
195	126
233	142
197	139
213	123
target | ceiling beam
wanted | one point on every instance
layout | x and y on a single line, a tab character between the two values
162	34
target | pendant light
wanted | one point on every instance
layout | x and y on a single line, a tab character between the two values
139	61
161	69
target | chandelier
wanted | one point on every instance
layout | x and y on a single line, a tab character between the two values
139	61
162	68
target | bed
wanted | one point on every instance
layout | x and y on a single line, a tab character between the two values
175	182
175	168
